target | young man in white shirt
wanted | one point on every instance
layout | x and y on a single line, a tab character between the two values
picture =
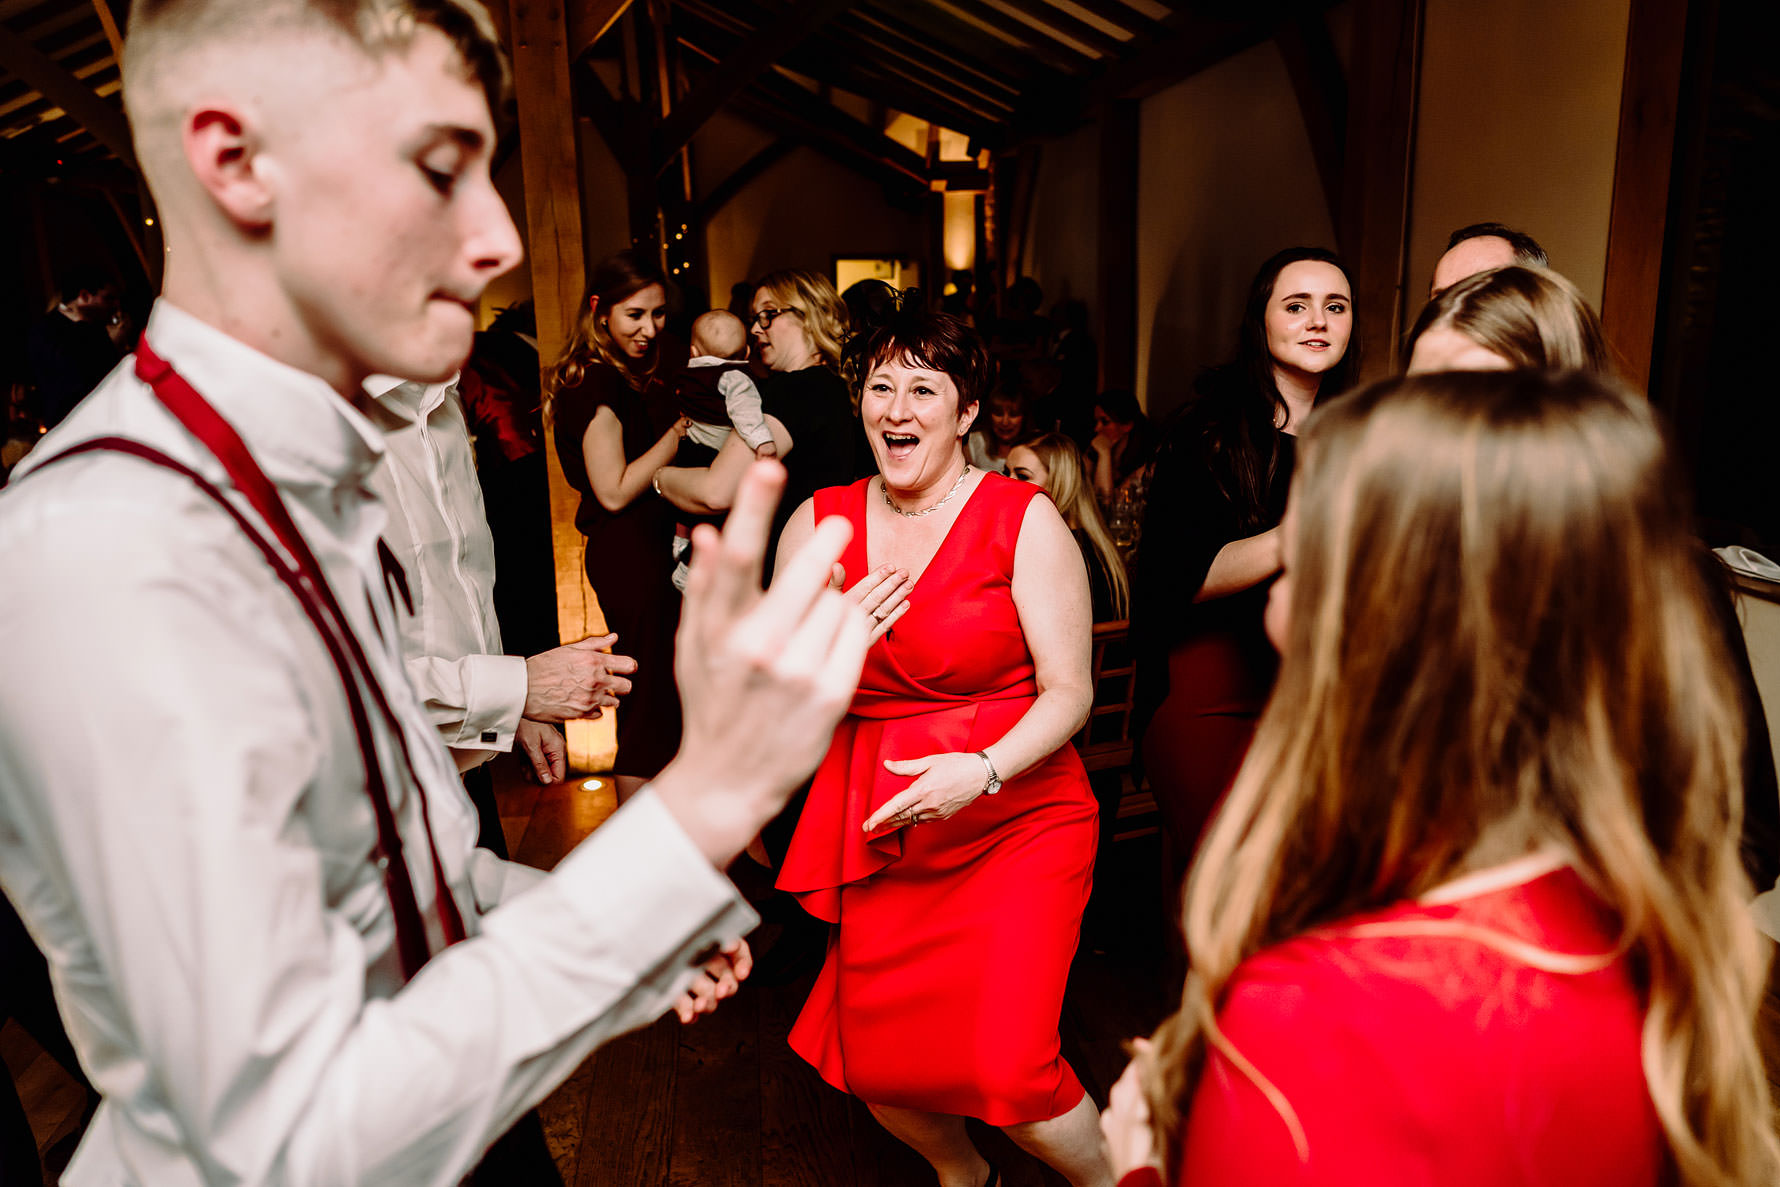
235	921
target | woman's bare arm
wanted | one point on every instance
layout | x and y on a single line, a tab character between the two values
616	483
711	489
1241	564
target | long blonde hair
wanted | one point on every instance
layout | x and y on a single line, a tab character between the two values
1073	495
613	280
1558	681
824	313
1532	317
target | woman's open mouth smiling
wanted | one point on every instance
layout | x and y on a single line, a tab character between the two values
898	446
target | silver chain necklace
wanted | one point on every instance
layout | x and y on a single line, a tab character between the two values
888	502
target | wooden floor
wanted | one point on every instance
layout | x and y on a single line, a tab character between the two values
725	1101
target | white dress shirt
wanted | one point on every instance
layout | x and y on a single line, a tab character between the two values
184	826
438	530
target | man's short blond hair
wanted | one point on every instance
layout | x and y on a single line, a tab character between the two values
159	30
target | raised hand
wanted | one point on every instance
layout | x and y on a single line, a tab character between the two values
1126	1121
764	678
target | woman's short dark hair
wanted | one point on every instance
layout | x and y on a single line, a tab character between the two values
936	341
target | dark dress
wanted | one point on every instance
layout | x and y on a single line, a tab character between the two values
943	983
630	560
1204	669
813	406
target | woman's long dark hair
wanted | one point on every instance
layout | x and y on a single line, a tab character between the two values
1237	407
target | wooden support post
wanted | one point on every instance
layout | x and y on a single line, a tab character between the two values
1116	286
553	214
1655	36
1385	76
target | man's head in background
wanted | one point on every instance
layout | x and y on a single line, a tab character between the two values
1480	247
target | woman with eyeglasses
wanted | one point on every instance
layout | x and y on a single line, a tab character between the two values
609	397
798	325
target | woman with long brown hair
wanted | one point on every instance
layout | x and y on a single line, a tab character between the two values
1210	543
1473	911
609	396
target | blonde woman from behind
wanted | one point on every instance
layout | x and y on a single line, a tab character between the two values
1473	913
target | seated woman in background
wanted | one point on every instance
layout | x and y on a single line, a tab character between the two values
1210	545
988	446
1052	461
1473	912
1124	441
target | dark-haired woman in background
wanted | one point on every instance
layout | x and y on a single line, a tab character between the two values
1211	539
1124	441
615	427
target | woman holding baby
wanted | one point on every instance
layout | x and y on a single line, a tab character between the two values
610	399
798	326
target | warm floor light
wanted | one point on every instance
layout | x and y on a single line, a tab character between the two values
592	785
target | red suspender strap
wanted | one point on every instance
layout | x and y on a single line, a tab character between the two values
303	575
220	438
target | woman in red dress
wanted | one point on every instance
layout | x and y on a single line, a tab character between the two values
950	832
1473	913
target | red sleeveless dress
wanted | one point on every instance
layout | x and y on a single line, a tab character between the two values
944	980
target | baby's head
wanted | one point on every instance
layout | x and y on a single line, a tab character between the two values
719	334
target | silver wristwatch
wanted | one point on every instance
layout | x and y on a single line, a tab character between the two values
994	783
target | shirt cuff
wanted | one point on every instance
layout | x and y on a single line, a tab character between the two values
494	696
675	904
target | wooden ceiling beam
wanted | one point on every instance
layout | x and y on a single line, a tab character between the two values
929	25
18	56
588	21
1060	25
907	44
743	64
881	53
830	62
1123	16
113	36
1035	41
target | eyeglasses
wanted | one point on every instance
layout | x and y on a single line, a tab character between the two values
765	317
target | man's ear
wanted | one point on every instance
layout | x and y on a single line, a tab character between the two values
223	152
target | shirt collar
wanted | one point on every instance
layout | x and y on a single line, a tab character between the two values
298	428
414	400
